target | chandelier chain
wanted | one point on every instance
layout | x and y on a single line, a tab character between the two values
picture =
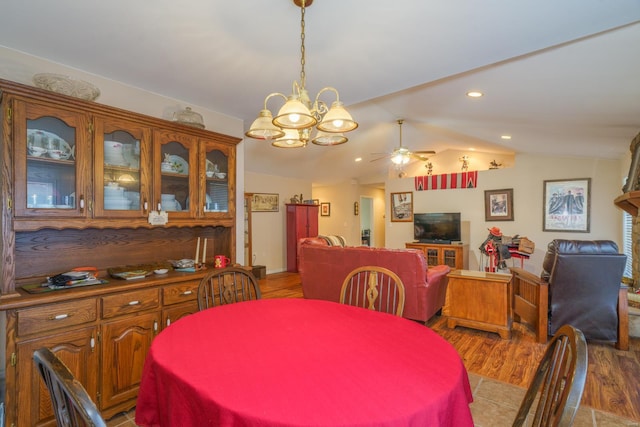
303	76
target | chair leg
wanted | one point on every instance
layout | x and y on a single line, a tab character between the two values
623	320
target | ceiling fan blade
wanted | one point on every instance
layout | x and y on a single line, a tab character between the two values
429	152
422	155
382	156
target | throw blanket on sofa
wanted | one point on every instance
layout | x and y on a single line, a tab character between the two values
334	240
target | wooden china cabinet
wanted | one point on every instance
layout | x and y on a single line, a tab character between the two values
79	181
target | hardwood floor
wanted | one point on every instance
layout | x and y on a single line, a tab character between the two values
613	378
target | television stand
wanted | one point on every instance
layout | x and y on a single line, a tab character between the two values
455	256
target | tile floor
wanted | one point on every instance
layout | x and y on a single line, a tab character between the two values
495	405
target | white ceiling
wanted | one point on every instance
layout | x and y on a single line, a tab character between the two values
560	77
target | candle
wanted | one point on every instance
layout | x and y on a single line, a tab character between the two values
197	251
204	252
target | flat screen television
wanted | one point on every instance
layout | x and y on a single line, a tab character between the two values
437	227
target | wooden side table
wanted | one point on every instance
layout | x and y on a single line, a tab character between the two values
479	300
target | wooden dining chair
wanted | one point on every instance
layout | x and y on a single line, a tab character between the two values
375	288
71	403
227	286
558	382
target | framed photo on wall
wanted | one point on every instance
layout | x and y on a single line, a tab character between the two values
325	209
566	205
498	205
402	207
264	202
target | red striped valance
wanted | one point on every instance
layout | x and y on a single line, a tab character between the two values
447	181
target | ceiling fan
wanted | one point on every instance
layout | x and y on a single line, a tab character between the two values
402	155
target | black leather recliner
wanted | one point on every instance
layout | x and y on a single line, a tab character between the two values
584	279
581	286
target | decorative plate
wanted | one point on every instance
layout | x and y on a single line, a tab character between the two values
66	85
48	141
211	167
178	164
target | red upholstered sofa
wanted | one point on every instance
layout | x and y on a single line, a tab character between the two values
323	268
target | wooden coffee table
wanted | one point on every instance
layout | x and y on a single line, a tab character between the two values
479	300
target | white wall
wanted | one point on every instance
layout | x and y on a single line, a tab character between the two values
526	178
269	228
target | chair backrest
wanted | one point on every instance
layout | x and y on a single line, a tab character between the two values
71	403
559	381
227	286
584	282
375	288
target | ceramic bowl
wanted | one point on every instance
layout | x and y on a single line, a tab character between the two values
161	271
37	151
55	154
220	175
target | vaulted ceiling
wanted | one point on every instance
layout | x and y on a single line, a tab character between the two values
561	78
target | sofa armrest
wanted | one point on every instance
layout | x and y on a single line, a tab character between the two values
437	281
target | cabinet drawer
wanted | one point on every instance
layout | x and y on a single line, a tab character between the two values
49	317
129	302
182	292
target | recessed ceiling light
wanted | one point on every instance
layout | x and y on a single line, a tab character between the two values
505	136
474	94
358	159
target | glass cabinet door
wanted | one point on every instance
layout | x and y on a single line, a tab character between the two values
175	174
121	158
50	163
432	256
218	198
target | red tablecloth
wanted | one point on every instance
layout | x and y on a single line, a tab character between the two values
298	362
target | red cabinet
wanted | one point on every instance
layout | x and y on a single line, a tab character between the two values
302	221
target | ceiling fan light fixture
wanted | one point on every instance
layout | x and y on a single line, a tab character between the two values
400	157
329	138
263	127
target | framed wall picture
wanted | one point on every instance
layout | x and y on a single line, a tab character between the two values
402	207
566	205
264	202
325	209
498	205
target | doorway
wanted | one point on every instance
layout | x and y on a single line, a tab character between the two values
366	221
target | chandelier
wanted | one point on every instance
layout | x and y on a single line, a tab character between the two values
296	119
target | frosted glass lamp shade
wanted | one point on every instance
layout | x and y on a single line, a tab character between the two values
327	138
291	139
294	115
400	157
263	127
337	119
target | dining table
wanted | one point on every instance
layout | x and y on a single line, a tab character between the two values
301	362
